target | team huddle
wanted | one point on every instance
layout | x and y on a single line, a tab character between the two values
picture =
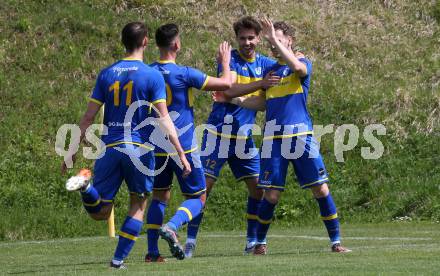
246	82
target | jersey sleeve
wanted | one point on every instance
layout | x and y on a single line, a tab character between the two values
195	78
268	65
308	64
98	94
157	88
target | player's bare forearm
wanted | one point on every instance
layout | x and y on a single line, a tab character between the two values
88	118
286	54
257	103
289	57
239	89
219	84
167	126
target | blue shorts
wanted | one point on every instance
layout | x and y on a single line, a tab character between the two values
241	154
115	166
192	185
305	157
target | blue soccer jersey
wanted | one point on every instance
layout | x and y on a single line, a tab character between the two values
286	103
180	81
118	86
286	106
247	71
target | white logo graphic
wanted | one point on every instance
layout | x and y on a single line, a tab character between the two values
258	70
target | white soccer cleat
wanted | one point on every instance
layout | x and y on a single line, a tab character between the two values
190	247
250	246
79	181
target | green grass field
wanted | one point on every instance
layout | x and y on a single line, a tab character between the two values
378	249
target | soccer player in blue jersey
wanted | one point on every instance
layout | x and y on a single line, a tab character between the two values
231	126
180	82
289	127
121	87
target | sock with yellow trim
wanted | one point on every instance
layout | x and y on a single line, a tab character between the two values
265	215
329	216
189	209
193	226
155	215
129	233
252	211
91	199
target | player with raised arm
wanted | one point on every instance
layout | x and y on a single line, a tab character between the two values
180	82
232	126
286	106
123	85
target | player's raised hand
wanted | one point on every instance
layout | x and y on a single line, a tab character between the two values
220	97
224	53
186	165
267	29
270	80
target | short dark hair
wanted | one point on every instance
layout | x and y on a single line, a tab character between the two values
247	22
285	28
165	35
133	35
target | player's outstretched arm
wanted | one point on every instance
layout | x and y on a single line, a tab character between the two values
238	90
223	58
257	103
167	126
288	56
86	120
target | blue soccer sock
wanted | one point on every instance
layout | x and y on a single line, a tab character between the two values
189	209
193	227
252	215
91	200
265	215
155	215
330	217
127	236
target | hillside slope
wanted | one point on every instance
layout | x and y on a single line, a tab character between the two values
374	62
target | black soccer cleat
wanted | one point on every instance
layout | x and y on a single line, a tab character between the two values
170	236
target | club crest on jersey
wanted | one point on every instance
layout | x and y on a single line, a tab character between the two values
258	70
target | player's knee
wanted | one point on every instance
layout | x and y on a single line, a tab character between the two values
259	194
209	184
320	190
203	198
103	214
273	196
138	205
162	196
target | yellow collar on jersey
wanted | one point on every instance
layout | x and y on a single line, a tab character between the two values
127	58
281	62
246	59
164	61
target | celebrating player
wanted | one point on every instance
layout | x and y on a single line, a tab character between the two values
121	86
286	107
180	80
232	126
